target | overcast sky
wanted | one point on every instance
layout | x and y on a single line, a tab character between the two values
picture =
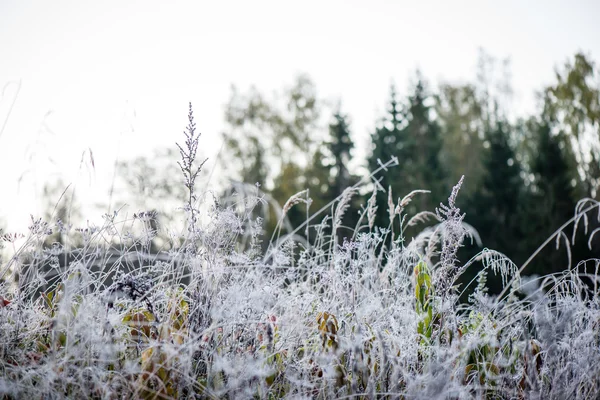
114	77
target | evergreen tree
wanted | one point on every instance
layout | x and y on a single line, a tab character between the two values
386	143
329	174
414	137
422	168
497	207
551	197
495	210
340	146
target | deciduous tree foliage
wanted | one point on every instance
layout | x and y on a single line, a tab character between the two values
283	147
461	117
572	105
264	135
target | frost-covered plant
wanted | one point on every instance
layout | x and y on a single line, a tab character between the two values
374	315
189	168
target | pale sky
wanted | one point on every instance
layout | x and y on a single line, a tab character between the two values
115	77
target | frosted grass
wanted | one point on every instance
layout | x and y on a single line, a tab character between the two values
374	315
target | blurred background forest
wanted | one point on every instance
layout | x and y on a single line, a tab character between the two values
523	177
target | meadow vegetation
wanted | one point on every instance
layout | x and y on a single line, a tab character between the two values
370	313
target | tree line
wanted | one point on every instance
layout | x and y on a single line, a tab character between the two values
523	176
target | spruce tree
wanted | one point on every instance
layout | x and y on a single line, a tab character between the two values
422	168
386	143
496	208
340	145
551	199
414	137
